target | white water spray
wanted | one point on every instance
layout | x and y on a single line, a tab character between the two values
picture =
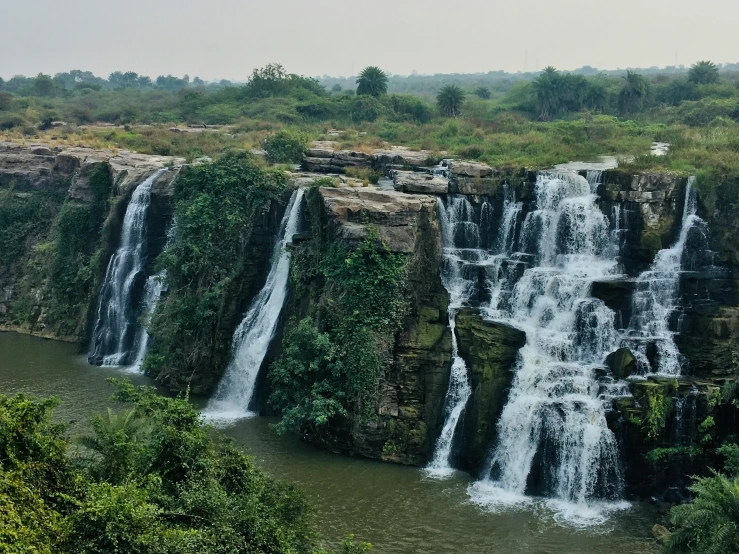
253	336
115	327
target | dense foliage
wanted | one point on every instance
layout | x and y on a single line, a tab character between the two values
332	360
149	479
216	208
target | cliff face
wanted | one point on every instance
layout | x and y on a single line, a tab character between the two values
60	214
60	218
407	414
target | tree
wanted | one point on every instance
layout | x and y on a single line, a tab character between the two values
710	525
483	93
449	100
704	73
372	81
43	85
632	95
336	88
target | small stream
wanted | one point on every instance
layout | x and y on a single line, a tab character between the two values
398	509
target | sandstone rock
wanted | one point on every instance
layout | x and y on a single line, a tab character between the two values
424	183
622	363
470	169
400	156
394	213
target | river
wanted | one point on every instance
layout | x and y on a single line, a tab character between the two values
397	509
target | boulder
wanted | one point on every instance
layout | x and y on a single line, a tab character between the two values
661	533
401	156
424	183
622	363
395	214
470	169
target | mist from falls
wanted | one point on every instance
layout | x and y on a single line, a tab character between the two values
116	327
254	335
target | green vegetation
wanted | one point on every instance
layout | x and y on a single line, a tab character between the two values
148	479
210	264
286	146
77	257
333	358
710	524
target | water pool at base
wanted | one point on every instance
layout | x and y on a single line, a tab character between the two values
398	509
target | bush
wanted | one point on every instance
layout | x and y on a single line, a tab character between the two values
286	146
11	121
179	488
711	523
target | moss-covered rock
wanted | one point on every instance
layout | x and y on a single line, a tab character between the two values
622	363
490	350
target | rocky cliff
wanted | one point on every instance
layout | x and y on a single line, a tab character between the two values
60	215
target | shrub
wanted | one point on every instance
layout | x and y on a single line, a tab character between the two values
286	146
364	174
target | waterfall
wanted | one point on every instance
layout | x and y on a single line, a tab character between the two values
650	334
253	336
460	237
553	439
115	328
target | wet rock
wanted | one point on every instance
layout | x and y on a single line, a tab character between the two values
622	363
490	350
661	533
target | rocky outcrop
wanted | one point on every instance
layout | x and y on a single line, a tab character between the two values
394	214
327	157
409	409
490	350
421	183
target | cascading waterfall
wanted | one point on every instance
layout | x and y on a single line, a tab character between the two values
460	237
553	439
253	336
155	286
116	325
650	335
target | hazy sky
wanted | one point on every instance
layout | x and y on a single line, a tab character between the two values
217	39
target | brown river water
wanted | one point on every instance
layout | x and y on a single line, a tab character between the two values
397	509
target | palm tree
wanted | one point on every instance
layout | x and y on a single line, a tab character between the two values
633	92
483	93
704	73
116	440
373	81
449	100
548	90
710	525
